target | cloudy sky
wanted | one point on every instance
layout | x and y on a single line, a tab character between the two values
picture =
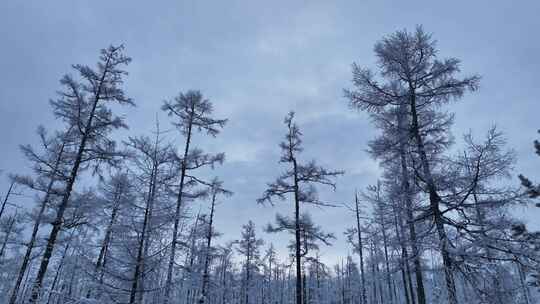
257	60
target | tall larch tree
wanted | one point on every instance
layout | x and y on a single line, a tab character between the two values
51	168
191	113
298	181
85	104
413	75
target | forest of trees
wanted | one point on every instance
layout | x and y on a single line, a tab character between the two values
115	221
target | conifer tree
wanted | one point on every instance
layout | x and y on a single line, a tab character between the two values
299	181
532	190
191	113
249	247
414	76
84	106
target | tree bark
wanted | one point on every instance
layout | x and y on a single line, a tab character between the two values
33	237
524	287
434	200
420	290
363	298
385	244
140	250
105	243
59	268
8	233
57	224
297	235
206	275
6	198
404	257
170	267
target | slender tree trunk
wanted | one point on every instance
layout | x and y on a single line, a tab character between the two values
8	233
222	280
6	198
100	263
297	235
409	278
404	258
360	252
374	277
480	219
56	276
190	259
269	283
57	224
435	201
405	283
146	244
24	290
206	274
60	267
33	237
381	292
282	289
168	281
304	286
72	280
248	275
140	251
385	245
102	269
138	263
420	290
342	282
524	288
318	278
98	270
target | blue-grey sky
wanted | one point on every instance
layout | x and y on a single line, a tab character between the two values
256	60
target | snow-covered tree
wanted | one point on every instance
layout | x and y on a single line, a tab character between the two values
414	76
191	113
216	188
298	181
84	106
532	190
249	247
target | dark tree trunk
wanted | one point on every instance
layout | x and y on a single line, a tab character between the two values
6	238
404	257
6	198
297	236
206	274
363	296
33	237
57	224
420	291
434	200
100	263
386	261
140	250
183	169
59	269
